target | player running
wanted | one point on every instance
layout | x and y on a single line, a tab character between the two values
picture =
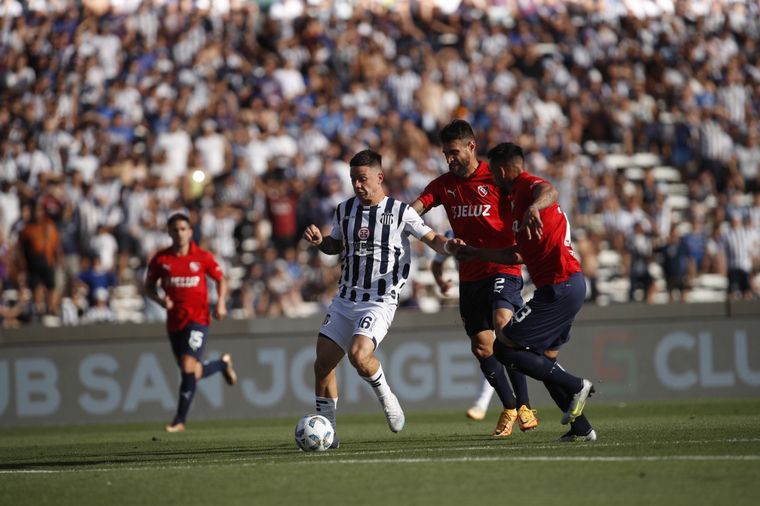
371	233
181	270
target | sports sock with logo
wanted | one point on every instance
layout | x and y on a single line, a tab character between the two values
326	406
536	366
186	393
494	372
378	383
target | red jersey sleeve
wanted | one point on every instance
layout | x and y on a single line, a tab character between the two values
212	267
430	195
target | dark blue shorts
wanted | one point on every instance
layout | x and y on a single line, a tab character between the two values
544	322
478	299
189	341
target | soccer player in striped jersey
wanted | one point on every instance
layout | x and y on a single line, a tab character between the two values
532	340
181	270
489	293
370	232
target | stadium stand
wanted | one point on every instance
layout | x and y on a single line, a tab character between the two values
114	114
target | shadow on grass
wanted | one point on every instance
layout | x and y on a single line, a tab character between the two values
191	455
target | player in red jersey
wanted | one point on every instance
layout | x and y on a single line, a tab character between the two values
489	293
531	342
181	270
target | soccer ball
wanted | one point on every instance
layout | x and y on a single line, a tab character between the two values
314	433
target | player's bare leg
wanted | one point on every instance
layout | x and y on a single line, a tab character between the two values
362	357
329	356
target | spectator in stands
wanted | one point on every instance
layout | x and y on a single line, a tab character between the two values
40	250
748	158
673	257
639	255
100	310
282	208
96	279
715	255
695	241
740	245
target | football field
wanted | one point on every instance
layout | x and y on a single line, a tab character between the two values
689	452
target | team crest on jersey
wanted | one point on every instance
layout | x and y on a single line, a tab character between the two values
363	233
195	266
386	218
483	190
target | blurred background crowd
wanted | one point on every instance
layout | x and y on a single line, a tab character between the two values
114	114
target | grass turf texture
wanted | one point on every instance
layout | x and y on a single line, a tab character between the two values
690	452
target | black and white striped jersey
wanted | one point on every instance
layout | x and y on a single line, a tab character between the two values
376	253
739	245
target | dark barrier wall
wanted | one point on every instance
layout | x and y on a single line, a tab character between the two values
103	374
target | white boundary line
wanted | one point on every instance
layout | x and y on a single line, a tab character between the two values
421	460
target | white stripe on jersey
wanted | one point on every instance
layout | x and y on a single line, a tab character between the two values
376	253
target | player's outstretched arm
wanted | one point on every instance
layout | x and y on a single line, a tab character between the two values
441	244
419	207
507	256
326	244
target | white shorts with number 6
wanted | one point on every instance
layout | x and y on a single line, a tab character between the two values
344	319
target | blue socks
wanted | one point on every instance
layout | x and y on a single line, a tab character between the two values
520	385
188	385
536	366
186	393
493	370
581	426
212	367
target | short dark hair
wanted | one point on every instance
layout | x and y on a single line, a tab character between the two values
367	158
505	153
180	216
457	130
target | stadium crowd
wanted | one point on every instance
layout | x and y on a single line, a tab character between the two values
114	114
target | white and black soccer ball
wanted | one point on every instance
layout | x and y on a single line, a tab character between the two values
314	433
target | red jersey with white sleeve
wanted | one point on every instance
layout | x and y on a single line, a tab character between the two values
550	259
478	215
183	278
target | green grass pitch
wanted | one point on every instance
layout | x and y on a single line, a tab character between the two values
688	452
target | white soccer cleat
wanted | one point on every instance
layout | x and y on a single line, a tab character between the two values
175	427
476	413
230	376
393	412
578	402
569	437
